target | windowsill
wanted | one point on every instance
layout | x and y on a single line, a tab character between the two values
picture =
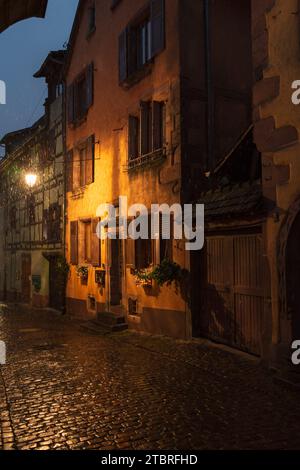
137	76
78	193
78	122
146	161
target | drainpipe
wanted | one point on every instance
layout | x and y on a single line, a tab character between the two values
209	86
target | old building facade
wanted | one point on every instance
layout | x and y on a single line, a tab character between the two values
123	138
32	202
229	140
176	102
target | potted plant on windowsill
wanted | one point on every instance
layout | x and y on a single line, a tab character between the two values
164	273
83	273
143	277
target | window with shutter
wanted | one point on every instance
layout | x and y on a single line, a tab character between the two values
147	134
74	242
166	244
95	244
91	19
90	160
54	223
123	64
89	86
133	138
144	250
83	158
146	128
157	26
76	169
158	125
87	242
69	171
70	103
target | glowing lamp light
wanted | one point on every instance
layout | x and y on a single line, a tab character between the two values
31	180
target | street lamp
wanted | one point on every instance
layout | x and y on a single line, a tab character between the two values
30	179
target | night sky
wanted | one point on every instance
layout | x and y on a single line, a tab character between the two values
23	48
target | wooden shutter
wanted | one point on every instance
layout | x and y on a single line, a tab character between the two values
90	160
130	252
157	26
74	242
133	61
76	169
133	138
145	128
123	63
69	171
157	125
95	243
166	246
89	85
70	103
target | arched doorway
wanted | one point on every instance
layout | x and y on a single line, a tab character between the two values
289	274
292	267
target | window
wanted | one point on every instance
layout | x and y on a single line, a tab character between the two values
31	209
74	242
81	165
140	253
91	19
87	242
85	246
166	245
80	95
147	132
54	223
142	40
69	171
143	253
132	306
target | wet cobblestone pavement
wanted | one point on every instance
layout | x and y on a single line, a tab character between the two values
63	388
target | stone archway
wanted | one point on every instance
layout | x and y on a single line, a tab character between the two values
289	269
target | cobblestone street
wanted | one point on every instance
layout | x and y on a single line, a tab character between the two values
64	388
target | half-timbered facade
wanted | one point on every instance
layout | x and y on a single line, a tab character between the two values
32	201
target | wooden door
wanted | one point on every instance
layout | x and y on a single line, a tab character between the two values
116	273
26	278
56	285
231	306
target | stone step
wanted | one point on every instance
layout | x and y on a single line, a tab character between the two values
106	322
110	319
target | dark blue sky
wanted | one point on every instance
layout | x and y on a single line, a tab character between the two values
23	48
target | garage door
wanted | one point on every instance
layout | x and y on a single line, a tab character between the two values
231	290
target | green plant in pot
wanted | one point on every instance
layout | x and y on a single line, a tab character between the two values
164	273
83	272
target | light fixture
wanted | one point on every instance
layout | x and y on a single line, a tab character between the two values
30	179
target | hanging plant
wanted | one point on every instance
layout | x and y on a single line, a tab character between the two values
165	273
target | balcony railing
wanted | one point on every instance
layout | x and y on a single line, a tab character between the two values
148	160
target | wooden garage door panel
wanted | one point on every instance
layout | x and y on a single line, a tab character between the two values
232	293
248	322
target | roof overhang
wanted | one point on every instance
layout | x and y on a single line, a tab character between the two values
12	11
